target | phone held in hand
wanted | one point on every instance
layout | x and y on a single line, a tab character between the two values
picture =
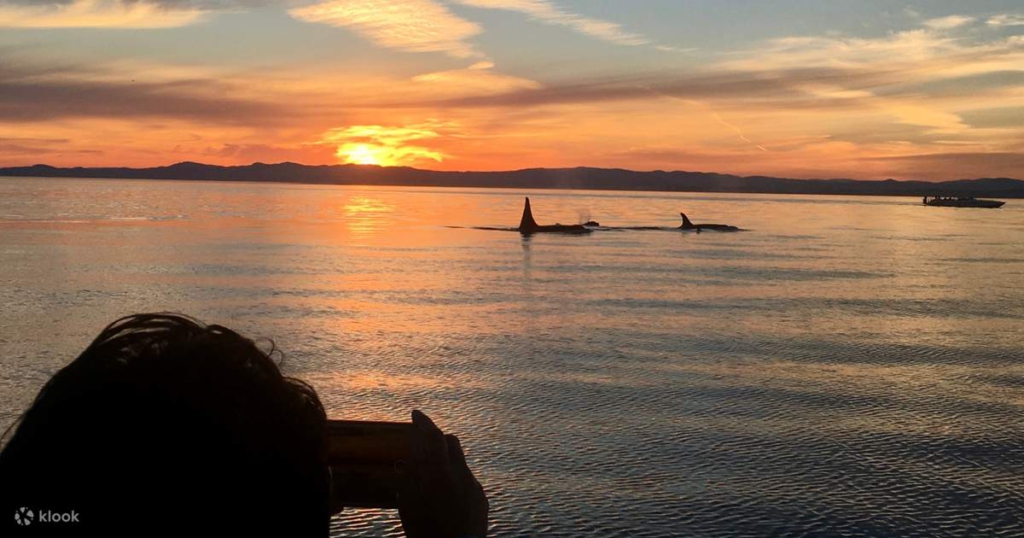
365	459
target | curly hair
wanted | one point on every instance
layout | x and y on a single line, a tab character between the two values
164	425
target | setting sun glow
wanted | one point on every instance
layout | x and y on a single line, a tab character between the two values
363	154
383	146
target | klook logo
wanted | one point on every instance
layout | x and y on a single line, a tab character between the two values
50	516
23	516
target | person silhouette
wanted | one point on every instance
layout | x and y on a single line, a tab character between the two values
165	426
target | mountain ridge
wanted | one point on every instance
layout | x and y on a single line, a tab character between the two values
580	177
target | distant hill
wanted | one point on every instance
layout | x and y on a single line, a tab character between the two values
535	178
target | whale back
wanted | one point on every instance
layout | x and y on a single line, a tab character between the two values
527	222
686	221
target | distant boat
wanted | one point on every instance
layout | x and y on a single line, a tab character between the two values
961	201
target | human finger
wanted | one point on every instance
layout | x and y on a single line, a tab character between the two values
455	453
434	449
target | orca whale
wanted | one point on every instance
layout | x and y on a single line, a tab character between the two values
528	226
687	225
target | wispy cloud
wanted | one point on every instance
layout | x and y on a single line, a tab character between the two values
98	14
19	146
478	79
946	23
408	25
1006	20
923	53
666	48
56	94
844	53
777	89
549	13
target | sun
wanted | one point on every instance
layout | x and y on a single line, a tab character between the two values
383	146
364	154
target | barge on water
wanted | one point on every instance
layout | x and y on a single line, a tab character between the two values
961	201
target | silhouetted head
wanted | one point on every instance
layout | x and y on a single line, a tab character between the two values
527	222
164	426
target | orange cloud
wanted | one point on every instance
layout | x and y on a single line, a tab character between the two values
548	13
97	14
478	79
410	25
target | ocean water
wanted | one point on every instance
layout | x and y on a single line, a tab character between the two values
850	366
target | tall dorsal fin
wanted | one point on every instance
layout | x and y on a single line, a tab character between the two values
527	222
686	221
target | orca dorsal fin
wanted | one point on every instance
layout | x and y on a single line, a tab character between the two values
686	221
527	222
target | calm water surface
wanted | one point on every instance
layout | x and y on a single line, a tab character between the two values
850	366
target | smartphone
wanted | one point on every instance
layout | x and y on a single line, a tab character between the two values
365	458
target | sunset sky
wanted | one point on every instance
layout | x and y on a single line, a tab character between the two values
867	89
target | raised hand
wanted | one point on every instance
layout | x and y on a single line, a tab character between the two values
442	498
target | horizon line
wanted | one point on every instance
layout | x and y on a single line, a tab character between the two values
400	167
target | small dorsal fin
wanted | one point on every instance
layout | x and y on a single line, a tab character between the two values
527	222
686	221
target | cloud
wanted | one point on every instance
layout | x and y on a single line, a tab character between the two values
478	79
408	25
955	165
897	79
985	84
1006	20
205	5
841	52
55	93
996	118
20	146
548	13
922	54
665	48
666	157
777	89
247	153
909	112
947	23
897	86
98	14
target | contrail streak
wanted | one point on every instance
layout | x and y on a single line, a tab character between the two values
706	106
738	131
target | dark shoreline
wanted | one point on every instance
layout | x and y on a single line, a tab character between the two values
538	178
